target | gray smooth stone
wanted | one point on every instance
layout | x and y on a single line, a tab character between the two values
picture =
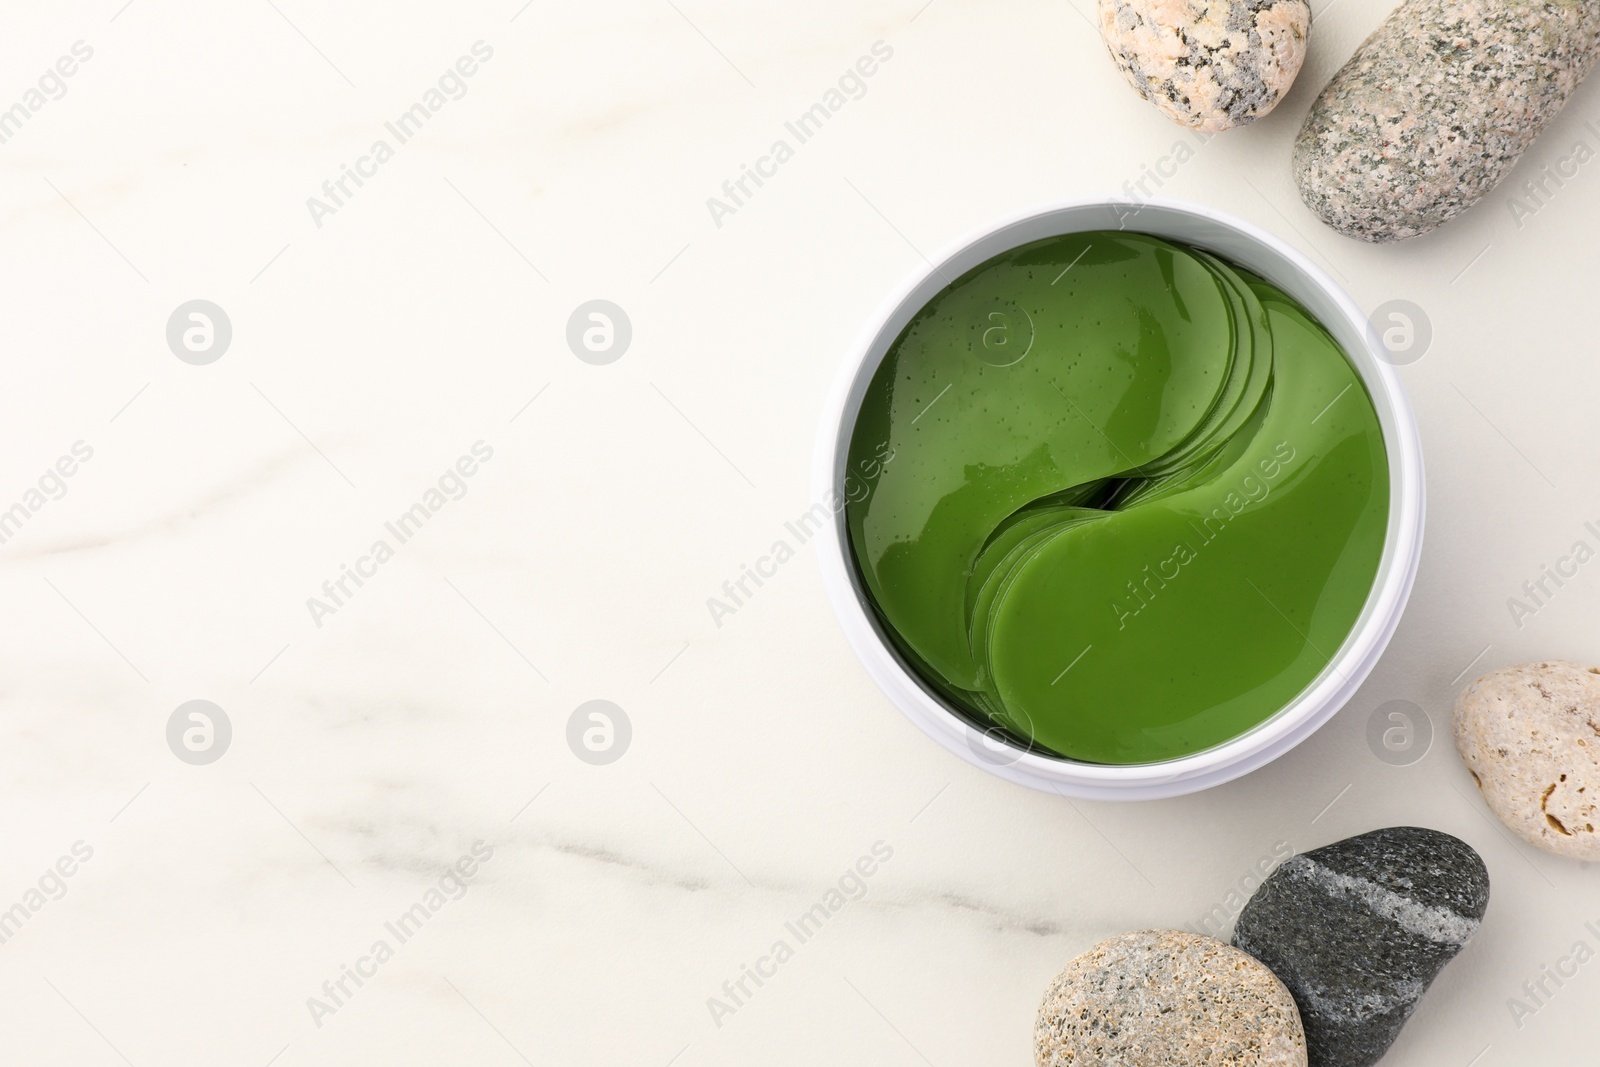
1359	929
1436	107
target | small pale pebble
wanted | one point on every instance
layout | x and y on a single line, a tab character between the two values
1530	735
1209	65
1167	998
1436	107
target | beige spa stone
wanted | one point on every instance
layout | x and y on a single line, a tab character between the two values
1209	65
1436	107
1530	735
1167	998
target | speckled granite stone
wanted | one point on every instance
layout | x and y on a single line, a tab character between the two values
1165	998
1530	735
1359	929
1436	107
1212	65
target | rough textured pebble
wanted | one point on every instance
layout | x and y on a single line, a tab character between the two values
1436	107
1530	735
1208	66
1359	929
1165	998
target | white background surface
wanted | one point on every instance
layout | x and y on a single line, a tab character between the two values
368	354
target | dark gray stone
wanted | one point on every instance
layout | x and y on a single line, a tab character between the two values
1359	929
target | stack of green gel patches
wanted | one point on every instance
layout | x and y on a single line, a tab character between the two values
1136	500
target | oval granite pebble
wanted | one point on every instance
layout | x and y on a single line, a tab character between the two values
1359	929
1436	107
1530	735
1164	998
1209	65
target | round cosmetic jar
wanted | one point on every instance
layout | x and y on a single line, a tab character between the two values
1278	263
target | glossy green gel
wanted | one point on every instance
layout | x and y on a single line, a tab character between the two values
1127	500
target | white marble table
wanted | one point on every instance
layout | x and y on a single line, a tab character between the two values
377	340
